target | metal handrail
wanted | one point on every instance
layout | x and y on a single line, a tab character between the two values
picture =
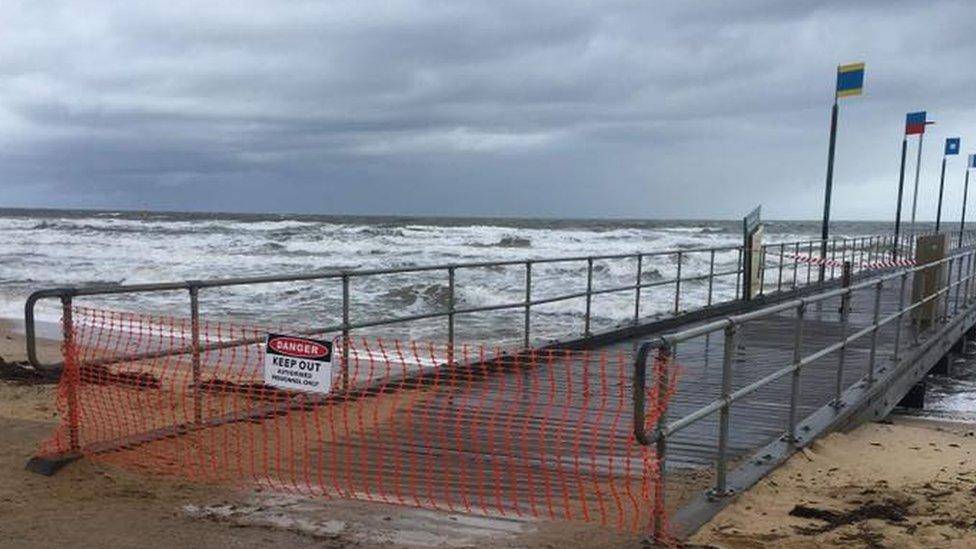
730	325
347	325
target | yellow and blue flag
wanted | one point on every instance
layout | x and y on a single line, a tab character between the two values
850	79
952	145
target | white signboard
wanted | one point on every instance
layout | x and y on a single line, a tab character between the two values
755	268
298	363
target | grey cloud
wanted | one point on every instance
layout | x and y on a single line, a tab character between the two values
666	109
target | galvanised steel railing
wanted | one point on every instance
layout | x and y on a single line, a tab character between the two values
773	259
960	283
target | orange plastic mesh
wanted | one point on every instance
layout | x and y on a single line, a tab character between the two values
543	434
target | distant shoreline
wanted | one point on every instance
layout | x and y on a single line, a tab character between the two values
380	217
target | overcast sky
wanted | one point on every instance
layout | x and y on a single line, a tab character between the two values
496	107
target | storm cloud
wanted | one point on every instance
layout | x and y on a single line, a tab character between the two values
494	107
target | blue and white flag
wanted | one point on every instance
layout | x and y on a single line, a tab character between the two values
972	161
952	145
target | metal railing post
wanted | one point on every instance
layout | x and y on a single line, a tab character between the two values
71	357
346	329
833	258
450	315
796	263
779	276
809	263
663	375
637	287
843	254
677	286
711	276
969	274
847	276
946	289
589	293
969	278
721	471
958	283
738	274
762	270
899	325
195	353
874	331
845	309
795	381
528	305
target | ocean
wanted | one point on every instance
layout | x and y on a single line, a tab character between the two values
52	248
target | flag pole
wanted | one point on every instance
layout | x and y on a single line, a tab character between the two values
918	168
824	229
938	213
965	196
901	192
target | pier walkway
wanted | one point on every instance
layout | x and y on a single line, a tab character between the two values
651	422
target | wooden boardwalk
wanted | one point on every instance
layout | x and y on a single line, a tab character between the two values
765	346
546	434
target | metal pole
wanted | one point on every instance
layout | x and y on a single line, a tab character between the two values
958	283
450	315
779	277
663	358
860	251
721	482
195	343
847	276
947	288
833	257
345	332
677	286
965	197
739	274
874	330
938	212
73	370
901	315
637	293
795	382
843	254
528	304
809	267
711	276
845	308
918	167
969	278
828	187
589	293
796	262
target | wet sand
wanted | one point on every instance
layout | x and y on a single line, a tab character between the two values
906	483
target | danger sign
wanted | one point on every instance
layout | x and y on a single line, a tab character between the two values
298	363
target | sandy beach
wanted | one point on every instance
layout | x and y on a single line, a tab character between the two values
95	505
907	483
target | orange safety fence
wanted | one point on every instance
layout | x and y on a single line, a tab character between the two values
536	434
